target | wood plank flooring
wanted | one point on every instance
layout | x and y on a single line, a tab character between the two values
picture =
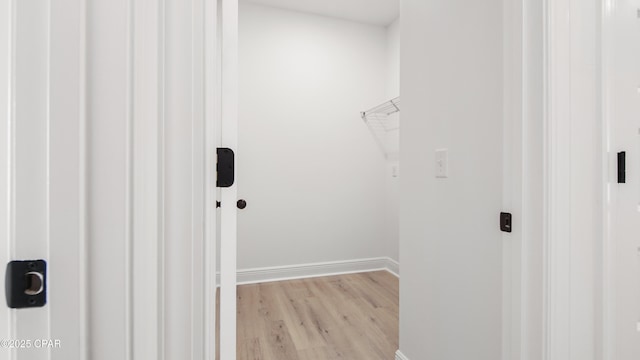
352	317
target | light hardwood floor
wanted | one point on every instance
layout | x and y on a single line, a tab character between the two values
353	317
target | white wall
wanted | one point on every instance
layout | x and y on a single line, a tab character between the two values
314	178
393	59
451	246
393	166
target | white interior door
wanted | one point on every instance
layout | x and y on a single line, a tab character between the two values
41	173
622	107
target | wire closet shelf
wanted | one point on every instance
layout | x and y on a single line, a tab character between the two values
384	123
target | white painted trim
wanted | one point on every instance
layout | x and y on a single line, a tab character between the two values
557	179
311	270
83	205
400	356
129	191
67	177
10	152
31	188
211	111
228	213
606	325
392	266
161	311
571	205
147	180
198	179
6	55
522	181
572	125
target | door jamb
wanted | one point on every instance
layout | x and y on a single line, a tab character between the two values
6	59
572	37
148	179
228	215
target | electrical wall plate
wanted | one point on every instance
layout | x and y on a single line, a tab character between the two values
442	163
26	284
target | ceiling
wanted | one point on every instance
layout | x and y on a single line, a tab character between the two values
375	12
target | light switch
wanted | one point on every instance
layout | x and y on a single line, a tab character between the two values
442	163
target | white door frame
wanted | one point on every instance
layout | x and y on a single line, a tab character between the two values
228	219
523	189
212	103
553	272
42	102
618	21
557	186
148	178
162	71
6	27
574	178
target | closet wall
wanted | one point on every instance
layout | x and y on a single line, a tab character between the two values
316	183
393	166
393	59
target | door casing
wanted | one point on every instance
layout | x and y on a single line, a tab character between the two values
42	170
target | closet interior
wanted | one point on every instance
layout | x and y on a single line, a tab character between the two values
318	166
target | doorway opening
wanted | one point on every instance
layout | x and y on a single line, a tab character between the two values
318	171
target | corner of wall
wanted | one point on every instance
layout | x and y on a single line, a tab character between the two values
400	356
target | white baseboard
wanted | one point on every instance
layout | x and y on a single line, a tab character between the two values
393	267
291	272
400	356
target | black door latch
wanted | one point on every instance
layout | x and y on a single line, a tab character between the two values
622	167
26	284
225	167
505	222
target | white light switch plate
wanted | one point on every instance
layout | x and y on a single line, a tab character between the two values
442	163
